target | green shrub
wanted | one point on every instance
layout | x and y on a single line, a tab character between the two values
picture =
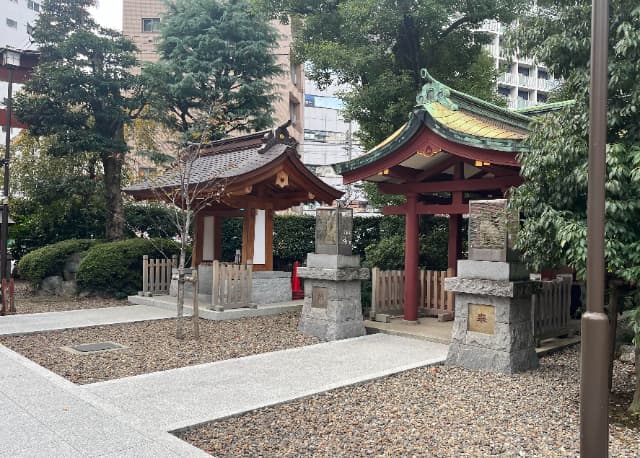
49	260
293	238
115	268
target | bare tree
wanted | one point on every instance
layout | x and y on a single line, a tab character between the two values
188	188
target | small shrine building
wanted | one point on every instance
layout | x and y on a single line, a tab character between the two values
454	148
251	176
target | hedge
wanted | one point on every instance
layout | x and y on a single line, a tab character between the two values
115	268
49	260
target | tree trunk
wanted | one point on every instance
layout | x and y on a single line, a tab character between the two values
180	301
114	218
635	404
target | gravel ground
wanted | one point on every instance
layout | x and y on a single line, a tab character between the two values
27	301
152	345
428	412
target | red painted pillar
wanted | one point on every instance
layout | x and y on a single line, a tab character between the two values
455	241
411	260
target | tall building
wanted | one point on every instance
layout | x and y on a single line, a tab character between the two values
141	20
522	81
16	20
328	137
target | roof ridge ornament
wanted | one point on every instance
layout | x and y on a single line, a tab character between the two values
279	135
434	91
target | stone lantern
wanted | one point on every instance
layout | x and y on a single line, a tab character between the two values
492	328
332	308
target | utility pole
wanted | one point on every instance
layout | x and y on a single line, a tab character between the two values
9	62
594	367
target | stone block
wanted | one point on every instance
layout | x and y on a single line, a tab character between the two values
383	318
332	261
501	288
342	274
442	317
491	270
71	266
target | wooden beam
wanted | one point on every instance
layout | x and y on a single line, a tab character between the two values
403	173
429	209
453	185
433	171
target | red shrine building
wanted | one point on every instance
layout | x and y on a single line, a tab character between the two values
454	148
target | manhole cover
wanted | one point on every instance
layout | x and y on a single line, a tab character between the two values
94	347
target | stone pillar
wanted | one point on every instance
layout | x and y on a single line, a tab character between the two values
411	254
332	308
492	330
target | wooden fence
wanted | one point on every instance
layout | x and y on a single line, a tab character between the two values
156	275
231	286
387	292
550	309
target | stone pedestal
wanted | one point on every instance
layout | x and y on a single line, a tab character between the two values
332	309
492	329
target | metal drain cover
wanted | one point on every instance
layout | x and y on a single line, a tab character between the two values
94	347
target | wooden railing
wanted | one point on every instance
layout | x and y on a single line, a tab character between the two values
387	292
550	309
156	275
231	286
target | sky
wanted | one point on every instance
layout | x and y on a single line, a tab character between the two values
108	13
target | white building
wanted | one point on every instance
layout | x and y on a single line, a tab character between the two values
524	82
328	137
17	17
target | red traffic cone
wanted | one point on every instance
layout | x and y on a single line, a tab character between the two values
296	291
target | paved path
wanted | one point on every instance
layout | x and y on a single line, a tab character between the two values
38	322
174	399
44	415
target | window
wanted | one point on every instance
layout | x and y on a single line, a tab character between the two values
11	23
29	29
150	24
294	109
524	95
35	6
543	75
542	98
504	91
524	71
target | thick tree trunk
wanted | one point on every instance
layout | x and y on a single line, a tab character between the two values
114	218
635	404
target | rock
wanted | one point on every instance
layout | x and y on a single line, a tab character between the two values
71	266
56	286
627	354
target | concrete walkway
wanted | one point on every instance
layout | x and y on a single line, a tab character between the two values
44	415
49	321
178	398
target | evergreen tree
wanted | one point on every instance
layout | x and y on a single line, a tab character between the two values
379	47
81	94
216	69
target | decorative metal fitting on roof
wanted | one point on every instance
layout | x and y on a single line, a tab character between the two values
280	135
434	91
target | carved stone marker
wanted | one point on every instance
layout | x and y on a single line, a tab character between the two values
492	328
332	309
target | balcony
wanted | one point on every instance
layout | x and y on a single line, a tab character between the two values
491	26
508	78
547	85
526	81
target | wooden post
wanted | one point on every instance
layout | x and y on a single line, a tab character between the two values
145	274
249	284
375	273
411	260
12	297
215	288
196	310
450	297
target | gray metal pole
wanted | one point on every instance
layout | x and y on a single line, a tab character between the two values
4	229
594	392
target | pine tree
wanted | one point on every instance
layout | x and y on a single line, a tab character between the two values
81	93
216	69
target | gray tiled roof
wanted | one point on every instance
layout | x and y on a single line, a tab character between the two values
226	165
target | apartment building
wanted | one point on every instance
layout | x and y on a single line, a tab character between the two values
329	138
522	81
141	20
16	20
